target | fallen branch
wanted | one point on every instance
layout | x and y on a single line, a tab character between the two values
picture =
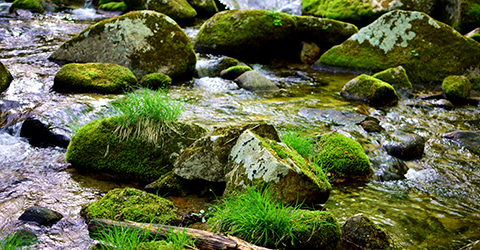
204	240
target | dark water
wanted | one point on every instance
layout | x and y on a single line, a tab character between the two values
435	207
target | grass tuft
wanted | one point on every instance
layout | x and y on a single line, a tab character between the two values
15	241
303	145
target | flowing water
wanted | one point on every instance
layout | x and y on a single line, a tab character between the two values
437	206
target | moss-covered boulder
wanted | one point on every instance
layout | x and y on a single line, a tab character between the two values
104	78
316	230
360	232
113	6
371	90
456	88
363	11
143	41
342	157
179	10
204	8
96	148
397	77
155	81
257	161
133	205
428	50
34	6
233	72
5	78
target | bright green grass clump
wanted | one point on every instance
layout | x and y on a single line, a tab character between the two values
16	240
146	113
303	145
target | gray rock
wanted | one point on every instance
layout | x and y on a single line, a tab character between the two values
360	232
337	117
404	145
41	215
143	41
309	52
468	139
256	161
254	81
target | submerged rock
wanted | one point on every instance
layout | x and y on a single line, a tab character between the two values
179	10
428	50
468	139
103	78
404	145
259	161
143	41
372	125
337	117
133	205
41	215
96	148
360	231
256	82
371	90
5	78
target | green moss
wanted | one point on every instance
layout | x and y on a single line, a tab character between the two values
371	90
155	81
316	229
395	77
475	81
345	10
101	2
238	70
456	87
113	6
342	156
31	5
133	205
469	16
5	78
93	77
323	31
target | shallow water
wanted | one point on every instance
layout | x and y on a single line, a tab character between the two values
436	207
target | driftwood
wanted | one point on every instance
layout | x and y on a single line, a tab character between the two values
204	240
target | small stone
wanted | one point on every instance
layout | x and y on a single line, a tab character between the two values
372	126
41	215
404	145
254	81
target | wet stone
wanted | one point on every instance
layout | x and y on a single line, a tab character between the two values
404	145
336	117
372	125
468	139
360	231
39	134
41	215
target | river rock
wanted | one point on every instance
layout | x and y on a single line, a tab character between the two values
5	78
204	8
143	41
207	158
468	139
41	215
256	82
309	52
179	10
368	89
404	145
443	103
372	125
389	168
40	135
456	88
96	148
336	117
259	161
155	81
428	50
360	232
234	72
397	77
343	157
103	78
215	67
133	205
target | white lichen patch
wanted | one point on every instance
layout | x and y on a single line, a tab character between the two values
390	30
133	32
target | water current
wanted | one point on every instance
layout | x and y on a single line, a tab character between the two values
437	206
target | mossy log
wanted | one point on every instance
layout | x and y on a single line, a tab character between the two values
204	240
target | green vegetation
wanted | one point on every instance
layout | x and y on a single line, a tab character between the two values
113	6
155	81
258	218
456	87
5	78
276	18
16	240
31	5
303	145
475	81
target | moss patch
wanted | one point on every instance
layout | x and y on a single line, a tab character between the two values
133	205
345	10
395	76
342	157
113	6
475	81
316	230
102	78
155	81
369	89
5	78
456	87
469	16
31	5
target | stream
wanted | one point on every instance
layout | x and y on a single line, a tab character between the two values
437	206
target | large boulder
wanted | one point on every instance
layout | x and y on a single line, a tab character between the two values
371	90
259	161
428	50
5	78
260	35
98	149
103	78
143	41
179	10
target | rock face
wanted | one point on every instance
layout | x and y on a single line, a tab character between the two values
143	41
254	81
133	205
404	145
259	35
179	10
41	215
259	161
456	88
96	148
5	78
371	90
428	50
361	232
103	78
468	139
